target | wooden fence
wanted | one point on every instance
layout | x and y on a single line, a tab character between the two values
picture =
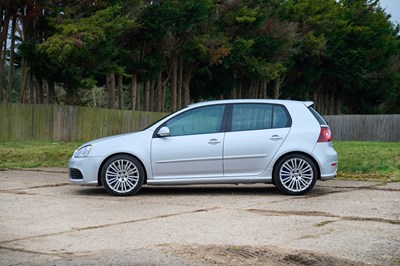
72	123
365	127
68	123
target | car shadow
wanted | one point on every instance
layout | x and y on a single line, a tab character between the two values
198	190
206	191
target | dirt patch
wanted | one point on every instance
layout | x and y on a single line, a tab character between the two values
323	214
248	255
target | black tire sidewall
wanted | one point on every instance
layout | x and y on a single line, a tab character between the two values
132	160
278	182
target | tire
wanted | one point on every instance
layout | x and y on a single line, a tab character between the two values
122	175
295	174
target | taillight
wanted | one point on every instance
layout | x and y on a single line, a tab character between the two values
325	134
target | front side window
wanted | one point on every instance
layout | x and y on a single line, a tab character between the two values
203	120
258	116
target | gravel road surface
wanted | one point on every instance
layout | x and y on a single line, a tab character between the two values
47	221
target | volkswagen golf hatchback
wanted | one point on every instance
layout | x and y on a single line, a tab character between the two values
284	143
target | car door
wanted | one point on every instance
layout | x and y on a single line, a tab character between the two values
256	133
193	147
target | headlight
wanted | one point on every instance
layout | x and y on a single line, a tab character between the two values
83	152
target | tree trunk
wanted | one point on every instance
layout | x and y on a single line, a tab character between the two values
233	94
111	90
331	96
159	94
187	77
12	52
28	29
120	93
39	91
3	44
277	88
186	89
264	90
239	89
180	80
133	92
338	106
23	94
318	100
51	98
94	98
139	101
164	88
147	96
2	60
174	78
69	97
31	88
153	95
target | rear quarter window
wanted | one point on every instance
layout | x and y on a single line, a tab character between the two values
281	117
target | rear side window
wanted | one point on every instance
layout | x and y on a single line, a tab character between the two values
280	117
317	116
259	116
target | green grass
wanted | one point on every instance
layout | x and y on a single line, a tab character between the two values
368	160
357	160
24	154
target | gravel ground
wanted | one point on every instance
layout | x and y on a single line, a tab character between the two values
47	221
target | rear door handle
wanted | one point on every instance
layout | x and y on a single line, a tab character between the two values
213	141
275	137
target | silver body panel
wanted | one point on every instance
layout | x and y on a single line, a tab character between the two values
224	157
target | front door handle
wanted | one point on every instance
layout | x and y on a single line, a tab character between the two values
275	137
213	141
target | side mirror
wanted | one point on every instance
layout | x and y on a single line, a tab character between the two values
163	132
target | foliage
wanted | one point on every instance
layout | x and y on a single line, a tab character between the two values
86	47
176	51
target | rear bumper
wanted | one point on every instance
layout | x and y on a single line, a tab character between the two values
327	159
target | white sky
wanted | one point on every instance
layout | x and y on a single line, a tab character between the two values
392	7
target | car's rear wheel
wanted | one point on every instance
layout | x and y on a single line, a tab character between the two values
295	174
122	175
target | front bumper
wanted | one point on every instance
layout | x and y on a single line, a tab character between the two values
84	171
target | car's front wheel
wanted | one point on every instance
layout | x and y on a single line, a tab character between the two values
295	174
122	175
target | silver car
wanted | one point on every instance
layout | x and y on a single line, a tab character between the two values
285	143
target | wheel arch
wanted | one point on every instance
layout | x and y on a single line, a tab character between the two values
296	152
119	153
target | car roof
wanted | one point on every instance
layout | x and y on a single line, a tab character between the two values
271	101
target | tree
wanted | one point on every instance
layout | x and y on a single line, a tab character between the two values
345	51
84	48
172	52
368	69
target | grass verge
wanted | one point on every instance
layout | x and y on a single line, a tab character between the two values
368	160
357	160
28	154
